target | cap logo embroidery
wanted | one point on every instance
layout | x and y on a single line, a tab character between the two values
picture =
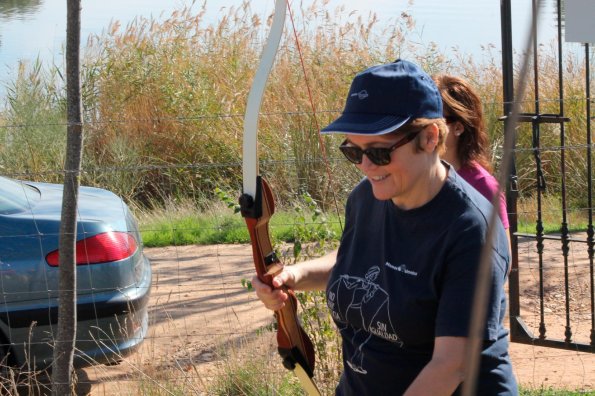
361	95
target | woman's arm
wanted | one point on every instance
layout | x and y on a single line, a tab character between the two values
443	374
308	275
312	274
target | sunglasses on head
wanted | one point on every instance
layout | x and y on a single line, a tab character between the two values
377	155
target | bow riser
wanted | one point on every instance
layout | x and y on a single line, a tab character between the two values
257	212
265	259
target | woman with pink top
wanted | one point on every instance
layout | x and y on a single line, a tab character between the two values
467	140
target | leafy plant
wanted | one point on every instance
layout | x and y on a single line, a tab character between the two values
311	230
313	237
225	198
246	284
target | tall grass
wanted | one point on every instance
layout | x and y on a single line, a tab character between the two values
164	104
173	93
179	90
33	131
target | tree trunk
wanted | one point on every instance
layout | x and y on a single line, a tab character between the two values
65	338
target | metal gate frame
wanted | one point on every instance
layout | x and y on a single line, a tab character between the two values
519	331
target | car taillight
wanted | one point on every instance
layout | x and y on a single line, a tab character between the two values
100	248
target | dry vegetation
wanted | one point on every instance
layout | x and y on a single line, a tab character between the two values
164	106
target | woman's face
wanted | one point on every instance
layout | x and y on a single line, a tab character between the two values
399	179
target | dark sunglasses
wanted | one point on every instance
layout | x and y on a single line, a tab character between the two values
378	155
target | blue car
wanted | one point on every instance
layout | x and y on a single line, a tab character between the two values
113	276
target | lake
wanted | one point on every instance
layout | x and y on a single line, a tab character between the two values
37	28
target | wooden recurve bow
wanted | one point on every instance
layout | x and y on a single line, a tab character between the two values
257	207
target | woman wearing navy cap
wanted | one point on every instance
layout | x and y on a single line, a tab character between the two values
400	286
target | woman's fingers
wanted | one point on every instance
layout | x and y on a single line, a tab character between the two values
273	297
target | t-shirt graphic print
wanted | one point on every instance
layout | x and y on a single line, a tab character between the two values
365	314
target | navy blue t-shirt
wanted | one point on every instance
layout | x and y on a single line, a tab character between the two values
404	277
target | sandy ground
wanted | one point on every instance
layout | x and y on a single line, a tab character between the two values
199	308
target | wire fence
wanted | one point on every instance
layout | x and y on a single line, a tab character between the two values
200	322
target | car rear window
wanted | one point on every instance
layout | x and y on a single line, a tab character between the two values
16	196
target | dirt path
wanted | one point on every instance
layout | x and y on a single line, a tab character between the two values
199	308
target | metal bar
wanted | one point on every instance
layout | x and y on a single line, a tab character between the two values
564	225
512	189
590	231
543	118
539	245
549	237
535	59
540	180
507	55
526	337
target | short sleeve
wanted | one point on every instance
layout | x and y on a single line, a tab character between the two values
457	284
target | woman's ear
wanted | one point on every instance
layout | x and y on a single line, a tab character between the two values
429	138
458	128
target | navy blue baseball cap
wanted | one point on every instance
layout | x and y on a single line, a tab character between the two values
385	97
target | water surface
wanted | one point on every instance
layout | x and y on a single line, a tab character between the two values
37	28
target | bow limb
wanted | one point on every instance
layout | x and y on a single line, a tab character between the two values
257	207
250	158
